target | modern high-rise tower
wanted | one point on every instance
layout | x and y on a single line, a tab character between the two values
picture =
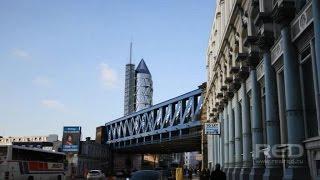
129	91
138	87
144	89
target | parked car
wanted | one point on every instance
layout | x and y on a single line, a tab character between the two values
146	175
95	174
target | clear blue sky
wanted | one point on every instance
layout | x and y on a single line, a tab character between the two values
62	62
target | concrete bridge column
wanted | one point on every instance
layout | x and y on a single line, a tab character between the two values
256	127
231	138
226	139
246	134
273	166
294	113
238	139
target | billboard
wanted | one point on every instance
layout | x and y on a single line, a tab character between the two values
212	128
71	138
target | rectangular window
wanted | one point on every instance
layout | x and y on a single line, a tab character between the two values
308	98
282	106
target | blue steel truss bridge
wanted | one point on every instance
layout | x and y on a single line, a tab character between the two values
169	127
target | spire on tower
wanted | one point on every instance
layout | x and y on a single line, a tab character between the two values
130	59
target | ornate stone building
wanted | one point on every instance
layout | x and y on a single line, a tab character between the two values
263	64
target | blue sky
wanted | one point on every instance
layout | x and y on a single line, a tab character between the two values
62	62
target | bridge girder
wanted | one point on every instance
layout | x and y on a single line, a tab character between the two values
176	120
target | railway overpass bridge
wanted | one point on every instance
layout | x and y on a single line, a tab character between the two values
172	126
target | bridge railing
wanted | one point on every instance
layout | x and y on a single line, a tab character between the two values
175	114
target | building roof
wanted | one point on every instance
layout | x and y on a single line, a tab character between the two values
142	68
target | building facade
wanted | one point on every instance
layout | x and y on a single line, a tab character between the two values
263	67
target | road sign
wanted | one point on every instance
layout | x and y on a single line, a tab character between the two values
212	128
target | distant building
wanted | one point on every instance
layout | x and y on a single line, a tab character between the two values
190	159
49	142
138	87
101	134
92	155
9	140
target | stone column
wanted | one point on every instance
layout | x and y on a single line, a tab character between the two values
238	139
316	25
231	138
315	82
246	134
226	138
221	145
256	127
214	148
273	166
297	166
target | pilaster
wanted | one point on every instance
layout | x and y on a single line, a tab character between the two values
316	25
231	138
246	134
256	127
238	140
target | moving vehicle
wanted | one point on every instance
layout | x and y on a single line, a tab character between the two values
95	174
23	163
146	175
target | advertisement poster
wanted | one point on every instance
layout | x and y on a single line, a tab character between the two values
71	139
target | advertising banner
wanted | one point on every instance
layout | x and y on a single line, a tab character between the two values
212	128
71	139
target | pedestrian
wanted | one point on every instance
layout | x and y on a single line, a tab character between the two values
190	173
217	174
207	174
204	174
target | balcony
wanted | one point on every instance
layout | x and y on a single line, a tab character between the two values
253	58
241	57
228	80
234	70
283	11
224	88
250	40
220	95
243	74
